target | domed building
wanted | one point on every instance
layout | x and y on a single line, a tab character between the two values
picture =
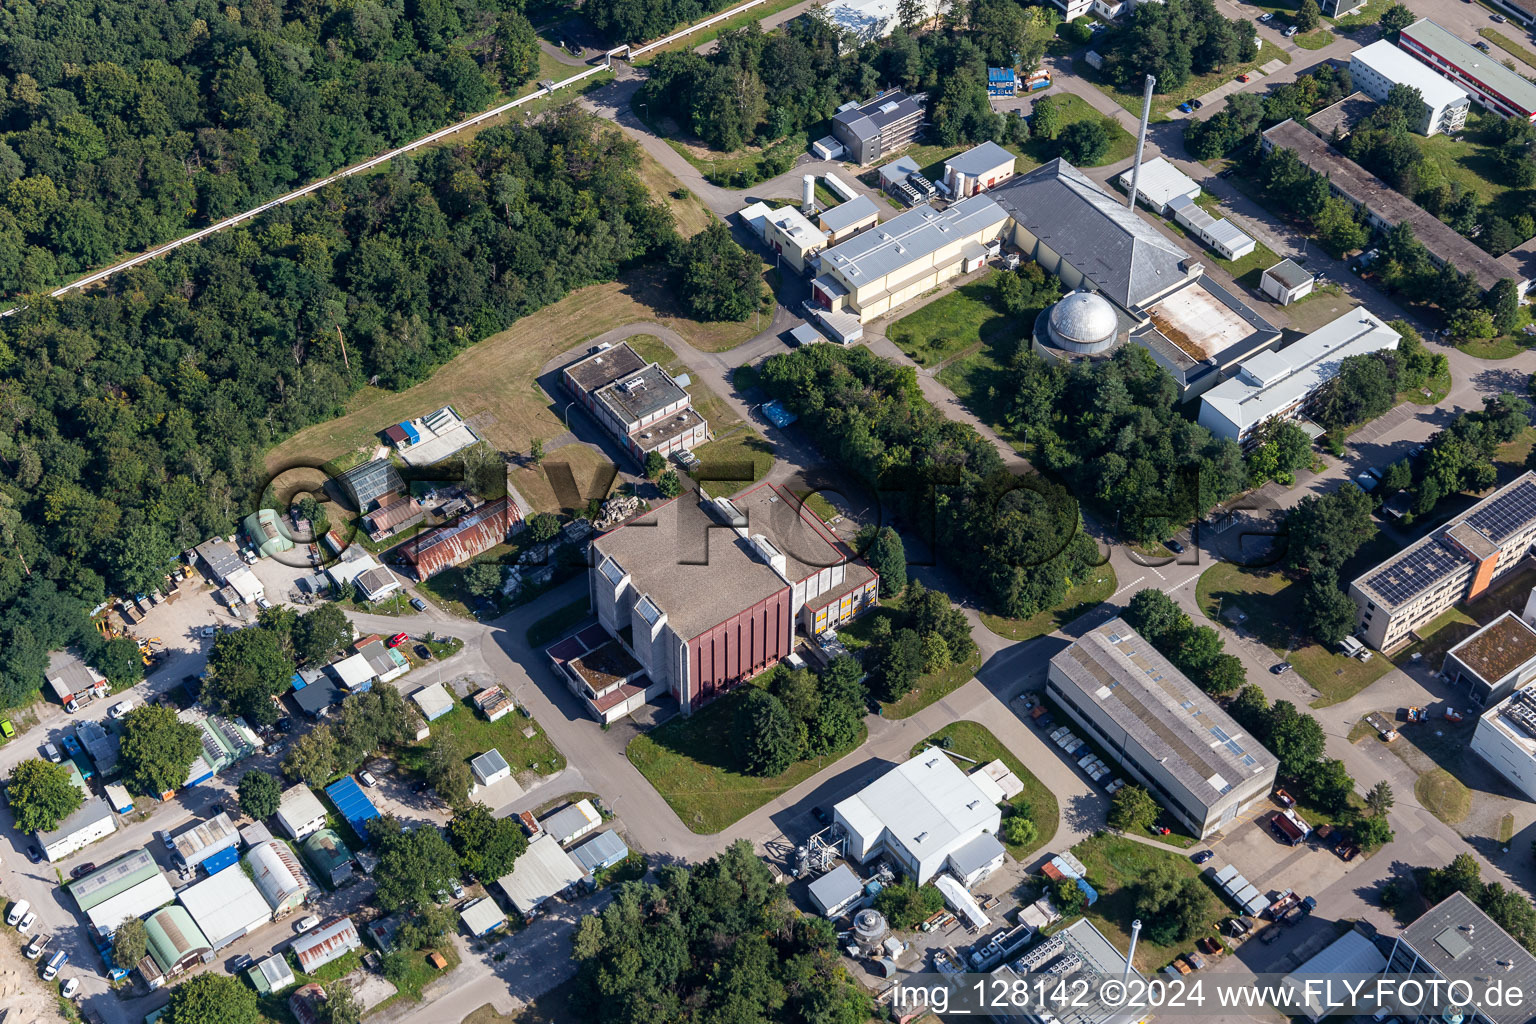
1082	323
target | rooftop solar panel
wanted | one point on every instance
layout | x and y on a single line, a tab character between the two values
1507	514
1416	571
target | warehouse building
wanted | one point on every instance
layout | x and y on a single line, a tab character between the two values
1137	286
843	221
703	593
1455	939
331	941
1282	384
1159	184
977	169
128	887
1159	727
372	485
874	272
836	892
1493	662
73	682
300	812
198	842
363	571
1482	75
226	906
880	126
1457	562
91	821
543	871
1385	208
641	405
220	559
175	944
1376	68
431	551
920	814
279	876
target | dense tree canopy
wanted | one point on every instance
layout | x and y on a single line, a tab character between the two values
715	942
1018	538
1197	651
487	846
122	124
1175	41
137	415
158	748
212	999
414	865
259	794
41	795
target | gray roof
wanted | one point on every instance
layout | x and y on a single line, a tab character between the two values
1079	949
897	170
1484	67
977	853
371	481
805	334
908	239
489	763
870	117
601	850
1170	717
859	208
1390	205
640	394
1343	115
87	814
1123	255
1289	273
979	159
1458	940
1219	229
220	556
605	367
837	887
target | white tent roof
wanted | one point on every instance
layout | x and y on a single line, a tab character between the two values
224	904
541	872
136	902
926	803
961	902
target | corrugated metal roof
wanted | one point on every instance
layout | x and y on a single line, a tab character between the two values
979	159
117	876
326	943
909	238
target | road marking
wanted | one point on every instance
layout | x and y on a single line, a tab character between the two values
1133	582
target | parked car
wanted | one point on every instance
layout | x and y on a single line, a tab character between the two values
81	870
7	729
55	962
1481	46
208	632
69	988
165	837
1280	669
1289	31
1197	104
1266	16
307	923
1500	18
397	640
25	924
242	962
34	854
35	947
19	910
1174	546
1185	108
368	779
1245	77
51	752
458	891
418	604
1203	856
821	815
120	709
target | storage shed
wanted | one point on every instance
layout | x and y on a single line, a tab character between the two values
435	701
603	850
353	804
490	767
482	916
836	891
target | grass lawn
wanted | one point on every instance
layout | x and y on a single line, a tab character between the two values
1506	347
980	380
558	622
1115	864
973	740
692	763
961	321
1074	108
1363	18
1443	795
1507	44
1445	631
1271	614
1472	164
1080	600
734	462
931	686
1163	102
475	736
1248	269
421	974
1314	40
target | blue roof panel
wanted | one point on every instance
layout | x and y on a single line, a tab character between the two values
353	804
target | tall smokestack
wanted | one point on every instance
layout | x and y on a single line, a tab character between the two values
1141	136
808	195
1136	924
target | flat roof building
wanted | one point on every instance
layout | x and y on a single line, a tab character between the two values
300	812
1166	733
1505	737
919	814
836	892
490	767
1159	184
879	126
544	870
702	593
1078	950
196	843
845	220
271	975
226	906
874	19
1494	661
435	701
790	234
1385	208
977	169
91	821
603	850
572	821
1230	241
1376	68
1286	282
482	916
1282	384
1338	120
876	271
637	402
1455	939
1480	74
1456	562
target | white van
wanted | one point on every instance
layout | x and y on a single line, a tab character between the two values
18	911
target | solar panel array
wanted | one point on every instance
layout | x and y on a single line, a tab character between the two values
1417	570
1507	514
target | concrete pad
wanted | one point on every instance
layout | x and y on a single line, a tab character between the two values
1272	66
370	989
497	794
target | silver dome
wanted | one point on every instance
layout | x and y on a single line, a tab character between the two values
1083	321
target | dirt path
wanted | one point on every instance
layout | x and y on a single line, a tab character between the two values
26	997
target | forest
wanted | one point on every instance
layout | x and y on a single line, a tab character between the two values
124	124
757	88
135	416
1018	538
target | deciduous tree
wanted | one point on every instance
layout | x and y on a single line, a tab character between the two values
259	794
212	999
158	749
1132	809
41	795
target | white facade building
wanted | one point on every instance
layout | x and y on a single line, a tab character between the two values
919	814
1286	282
1280	384
1159	184
1229	240
93	820
791	234
1506	738
1376	68
300	812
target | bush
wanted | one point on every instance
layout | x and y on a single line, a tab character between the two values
906	906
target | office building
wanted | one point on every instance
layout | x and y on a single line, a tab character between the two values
877	270
1282	384
703	593
977	169
920	814
1505	737
880	126
1376	68
91	821
1455	939
1456	562
1482	75
637	402
1385	208
1162	729
1157	294
1494	661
